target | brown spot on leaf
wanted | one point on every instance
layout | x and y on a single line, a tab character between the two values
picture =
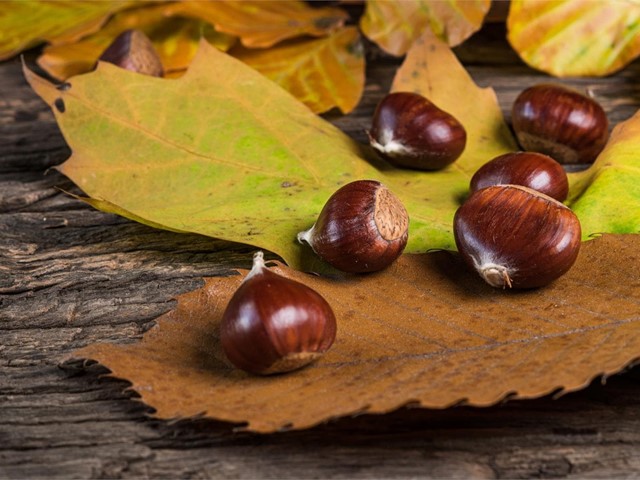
59	104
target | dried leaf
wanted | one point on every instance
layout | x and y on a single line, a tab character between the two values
424	332
395	25
175	38
26	24
322	73
575	37
261	24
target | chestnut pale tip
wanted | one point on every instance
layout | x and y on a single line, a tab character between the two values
257	267
495	275
386	144
390	216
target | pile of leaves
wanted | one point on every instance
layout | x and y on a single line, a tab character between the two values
220	149
313	50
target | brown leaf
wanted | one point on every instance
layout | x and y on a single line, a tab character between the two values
425	332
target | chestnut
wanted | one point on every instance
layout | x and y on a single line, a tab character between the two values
132	50
529	169
560	122
273	324
410	131
363	227
514	236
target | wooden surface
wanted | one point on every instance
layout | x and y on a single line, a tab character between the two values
70	276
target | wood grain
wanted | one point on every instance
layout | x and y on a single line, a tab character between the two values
70	276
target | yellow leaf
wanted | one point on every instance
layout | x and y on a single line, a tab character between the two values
261	24
395	25
24	24
429	69
322	73
225	152
175	39
575	37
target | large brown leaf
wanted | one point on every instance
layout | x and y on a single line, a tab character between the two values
425	332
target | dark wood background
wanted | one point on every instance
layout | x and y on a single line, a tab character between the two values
71	276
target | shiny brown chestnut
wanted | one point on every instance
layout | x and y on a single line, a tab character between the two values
516	237
273	324
363	227
410	131
132	50
529	169
560	122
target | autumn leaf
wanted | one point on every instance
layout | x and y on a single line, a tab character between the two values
175	39
595	194
395	25
428	70
606	197
424	332
225	153
261	24
575	37
26	24
322	73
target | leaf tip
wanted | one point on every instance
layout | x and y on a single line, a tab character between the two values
45	89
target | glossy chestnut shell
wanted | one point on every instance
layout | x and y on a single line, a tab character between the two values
273	324
562	123
516	237
132	50
529	169
410	131
363	227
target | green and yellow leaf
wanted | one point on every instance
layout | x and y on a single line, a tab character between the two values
25	24
226	153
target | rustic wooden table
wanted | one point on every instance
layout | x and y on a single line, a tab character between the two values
70	276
